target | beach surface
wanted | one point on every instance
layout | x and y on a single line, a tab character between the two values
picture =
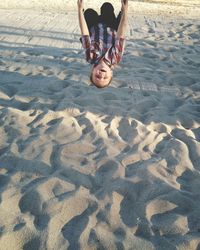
86	168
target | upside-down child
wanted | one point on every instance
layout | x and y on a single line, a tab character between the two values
103	38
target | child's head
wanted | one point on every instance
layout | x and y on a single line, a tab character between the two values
101	75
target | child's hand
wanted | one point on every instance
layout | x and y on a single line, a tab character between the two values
80	4
124	5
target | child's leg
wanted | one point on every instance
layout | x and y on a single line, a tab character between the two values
91	17
119	18
108	16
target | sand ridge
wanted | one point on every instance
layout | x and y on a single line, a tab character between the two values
83	168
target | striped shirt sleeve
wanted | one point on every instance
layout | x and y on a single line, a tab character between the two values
118	49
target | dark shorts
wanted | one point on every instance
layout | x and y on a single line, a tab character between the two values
107	17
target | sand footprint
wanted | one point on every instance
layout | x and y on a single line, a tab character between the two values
192	145
78	155
9	89
4	180
74	228
130	133
162	216
32	202
182	80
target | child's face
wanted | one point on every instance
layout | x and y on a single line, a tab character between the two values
101	74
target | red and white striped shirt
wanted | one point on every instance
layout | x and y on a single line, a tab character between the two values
103	43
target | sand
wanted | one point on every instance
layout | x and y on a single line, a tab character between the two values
84	168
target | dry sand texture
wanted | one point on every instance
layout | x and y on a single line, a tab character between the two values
83	168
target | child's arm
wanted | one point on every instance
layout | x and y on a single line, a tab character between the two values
124	20
82	22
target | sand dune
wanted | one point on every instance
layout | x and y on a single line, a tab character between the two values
83	168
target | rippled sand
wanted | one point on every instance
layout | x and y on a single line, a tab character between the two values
84	168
